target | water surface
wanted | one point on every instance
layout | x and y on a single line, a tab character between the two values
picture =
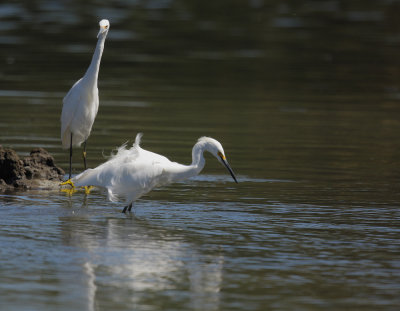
304	98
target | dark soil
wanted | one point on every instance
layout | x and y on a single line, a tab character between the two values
25	173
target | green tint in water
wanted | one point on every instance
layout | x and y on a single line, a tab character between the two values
304	99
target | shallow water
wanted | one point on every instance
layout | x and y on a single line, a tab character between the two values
305	100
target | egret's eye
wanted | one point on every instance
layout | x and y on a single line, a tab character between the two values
221	155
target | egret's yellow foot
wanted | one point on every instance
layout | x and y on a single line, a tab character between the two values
87	189
68	182
68	191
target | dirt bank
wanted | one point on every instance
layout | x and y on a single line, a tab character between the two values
38	170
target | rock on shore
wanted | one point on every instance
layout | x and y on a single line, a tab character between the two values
36	171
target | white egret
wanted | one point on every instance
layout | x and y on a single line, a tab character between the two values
81	103
131	173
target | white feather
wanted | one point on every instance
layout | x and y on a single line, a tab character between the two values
131	173
81	103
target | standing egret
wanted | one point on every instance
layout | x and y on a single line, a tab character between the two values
81	103
131	173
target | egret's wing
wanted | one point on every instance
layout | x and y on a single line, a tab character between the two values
137	168
71	102
135	178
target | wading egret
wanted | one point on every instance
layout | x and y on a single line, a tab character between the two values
81	103
131	173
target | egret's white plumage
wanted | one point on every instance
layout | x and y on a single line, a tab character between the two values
81	103
131	173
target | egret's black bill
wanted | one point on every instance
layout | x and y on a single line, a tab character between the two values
229	169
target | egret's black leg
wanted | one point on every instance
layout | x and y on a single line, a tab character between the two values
87	188
70	159
69	182
128	207
84	155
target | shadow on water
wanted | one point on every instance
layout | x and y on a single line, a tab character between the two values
304	97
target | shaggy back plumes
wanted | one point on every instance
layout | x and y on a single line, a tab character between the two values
122	151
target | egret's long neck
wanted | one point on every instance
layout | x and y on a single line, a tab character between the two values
93	70
181	172
198	160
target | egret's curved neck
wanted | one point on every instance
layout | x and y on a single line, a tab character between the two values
180	172
93	70
198	160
